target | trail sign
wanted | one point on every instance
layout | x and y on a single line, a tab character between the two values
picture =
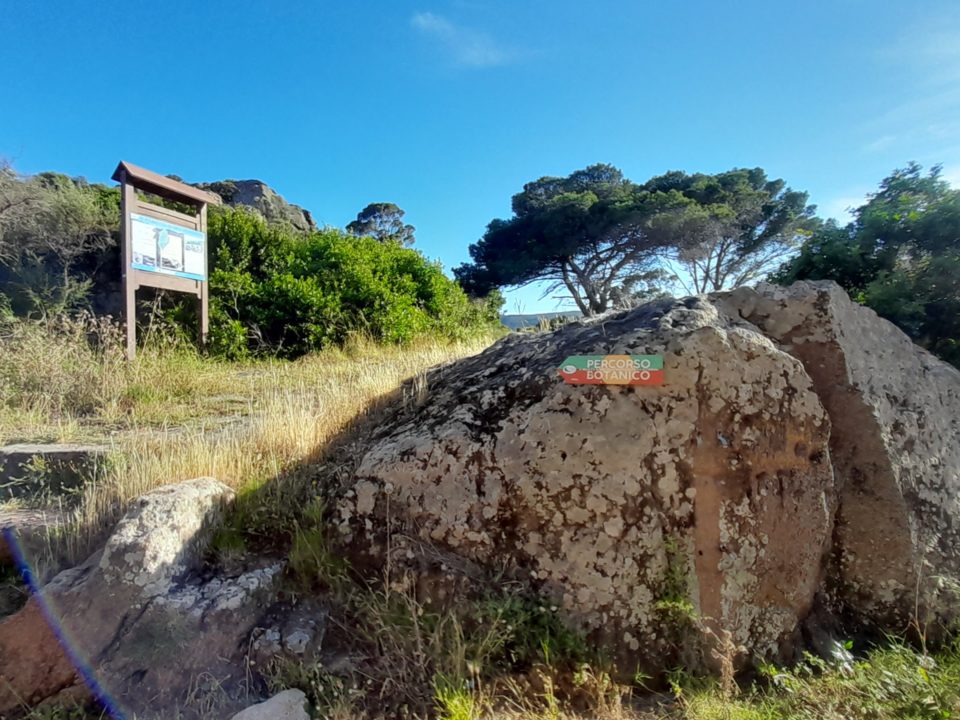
612	370
162	247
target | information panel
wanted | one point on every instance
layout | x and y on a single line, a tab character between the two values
163	247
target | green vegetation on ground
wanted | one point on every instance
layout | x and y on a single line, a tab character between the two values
594	235
295	294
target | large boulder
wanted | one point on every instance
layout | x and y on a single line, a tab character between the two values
895	446
613	501
136	622
800	449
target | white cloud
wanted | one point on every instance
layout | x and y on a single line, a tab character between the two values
466	46
881	143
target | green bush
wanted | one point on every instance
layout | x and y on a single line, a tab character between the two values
276	291
900	256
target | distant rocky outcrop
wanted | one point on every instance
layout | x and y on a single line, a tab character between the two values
801	455
262	198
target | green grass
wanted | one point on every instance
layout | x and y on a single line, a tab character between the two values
892	682
313	562
455	700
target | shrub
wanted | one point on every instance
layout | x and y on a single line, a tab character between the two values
273	290
288	294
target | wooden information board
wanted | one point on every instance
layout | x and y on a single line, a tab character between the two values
162	248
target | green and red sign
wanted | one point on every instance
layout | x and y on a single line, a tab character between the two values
612	370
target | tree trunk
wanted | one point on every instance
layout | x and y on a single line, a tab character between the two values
574	292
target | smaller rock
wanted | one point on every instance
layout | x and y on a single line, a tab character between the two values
46	472
266	643
161	536
136	605
287	705
297	641
29	530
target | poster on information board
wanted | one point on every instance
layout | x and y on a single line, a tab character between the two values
163	247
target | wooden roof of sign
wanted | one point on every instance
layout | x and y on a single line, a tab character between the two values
157	184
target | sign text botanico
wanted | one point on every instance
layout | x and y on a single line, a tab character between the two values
162	247
612	370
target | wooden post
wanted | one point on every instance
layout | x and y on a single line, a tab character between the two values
128	199
204	286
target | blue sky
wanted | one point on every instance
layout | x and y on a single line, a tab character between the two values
448	108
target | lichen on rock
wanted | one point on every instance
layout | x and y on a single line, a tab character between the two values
580	488
895	448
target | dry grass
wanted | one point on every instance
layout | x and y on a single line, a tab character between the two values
173	414
485	656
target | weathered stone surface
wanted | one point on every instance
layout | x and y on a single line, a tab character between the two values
287	705
137	614
895	447
799	443
593	492
48	471
32	661
294	631
158	538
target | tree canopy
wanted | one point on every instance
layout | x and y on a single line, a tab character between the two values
598	236
738	226
589	234
900	256
382	221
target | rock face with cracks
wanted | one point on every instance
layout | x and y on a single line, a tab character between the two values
156	540
895	448
602	496
802	456
800	450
